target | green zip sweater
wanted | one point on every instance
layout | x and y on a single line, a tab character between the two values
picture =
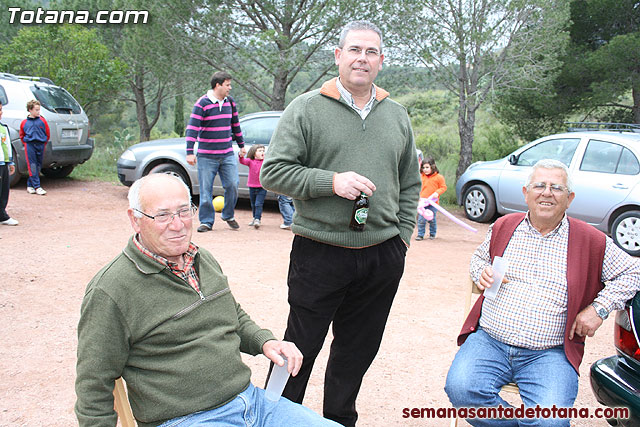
178	351
320	135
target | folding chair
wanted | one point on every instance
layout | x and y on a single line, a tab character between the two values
473	289
121	405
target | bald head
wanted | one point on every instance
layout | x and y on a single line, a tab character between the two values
150	184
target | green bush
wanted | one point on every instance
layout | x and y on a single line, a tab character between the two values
494	141
108	149
102	164
447	169
434	118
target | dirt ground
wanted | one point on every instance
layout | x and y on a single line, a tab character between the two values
65	237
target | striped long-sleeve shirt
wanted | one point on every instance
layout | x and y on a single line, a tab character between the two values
214	128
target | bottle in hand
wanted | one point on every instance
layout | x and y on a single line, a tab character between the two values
360	212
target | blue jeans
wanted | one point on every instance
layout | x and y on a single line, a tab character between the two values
285	203
35	155
422	222
208	168
256	196
483	365
250	408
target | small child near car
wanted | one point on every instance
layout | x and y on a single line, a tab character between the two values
285	204
254	160
6	168
34	134
433	184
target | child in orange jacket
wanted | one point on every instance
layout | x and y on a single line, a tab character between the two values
432	185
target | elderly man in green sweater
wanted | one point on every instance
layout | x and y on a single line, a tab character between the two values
330	146
161	315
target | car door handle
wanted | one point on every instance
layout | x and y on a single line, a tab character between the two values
621	186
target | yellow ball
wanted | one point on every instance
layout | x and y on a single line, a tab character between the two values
218	203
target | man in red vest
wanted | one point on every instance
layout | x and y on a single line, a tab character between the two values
564	278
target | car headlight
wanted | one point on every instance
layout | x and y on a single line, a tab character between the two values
128	155
473	165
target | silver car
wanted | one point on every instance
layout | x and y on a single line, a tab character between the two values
605	171
70	143
170	155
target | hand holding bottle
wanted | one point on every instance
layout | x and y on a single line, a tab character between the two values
350	184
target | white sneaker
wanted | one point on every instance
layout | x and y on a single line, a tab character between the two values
10	221
285	226
253	221
256	223
40	191
31	190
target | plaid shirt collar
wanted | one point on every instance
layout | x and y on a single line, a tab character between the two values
561	229
188	256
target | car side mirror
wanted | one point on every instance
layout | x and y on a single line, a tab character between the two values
513	159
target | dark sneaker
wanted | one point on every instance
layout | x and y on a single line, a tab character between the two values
232	223
204	228
432	237
419	238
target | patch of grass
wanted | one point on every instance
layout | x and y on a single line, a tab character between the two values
102	164
106	152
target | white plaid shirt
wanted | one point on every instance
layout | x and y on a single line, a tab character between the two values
530	310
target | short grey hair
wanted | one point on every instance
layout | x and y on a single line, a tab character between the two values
134	192
551	164
359	26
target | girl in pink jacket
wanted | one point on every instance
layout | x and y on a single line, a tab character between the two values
254	160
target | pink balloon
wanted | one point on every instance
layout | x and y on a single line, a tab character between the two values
428	215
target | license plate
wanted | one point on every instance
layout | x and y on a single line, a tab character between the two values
69	133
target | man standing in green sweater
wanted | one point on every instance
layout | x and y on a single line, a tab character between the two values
330	146
161	316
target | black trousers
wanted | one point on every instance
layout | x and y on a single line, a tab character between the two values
354	289
4	192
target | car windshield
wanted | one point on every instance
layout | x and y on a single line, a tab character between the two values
56	99
258	130
557	149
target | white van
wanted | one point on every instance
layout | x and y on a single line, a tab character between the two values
70	143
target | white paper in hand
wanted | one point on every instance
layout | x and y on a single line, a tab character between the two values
277	381
499	268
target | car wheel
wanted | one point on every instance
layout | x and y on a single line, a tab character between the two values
479	203
58	171
14	178
625	232
172	169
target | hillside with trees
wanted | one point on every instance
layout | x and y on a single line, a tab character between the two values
478	77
